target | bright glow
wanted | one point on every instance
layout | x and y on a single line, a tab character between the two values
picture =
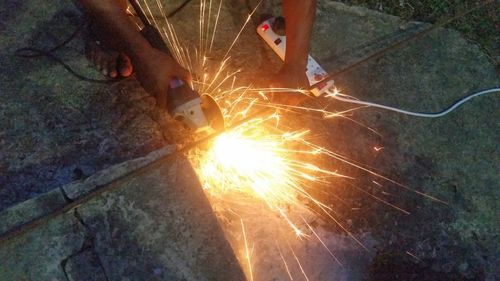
245	162
250	159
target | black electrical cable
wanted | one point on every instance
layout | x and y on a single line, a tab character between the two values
178	9
28	53
171	14
31	52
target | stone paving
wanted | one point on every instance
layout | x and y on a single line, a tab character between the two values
57	132
157	225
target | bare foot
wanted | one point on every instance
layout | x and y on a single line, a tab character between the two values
111	63
289	78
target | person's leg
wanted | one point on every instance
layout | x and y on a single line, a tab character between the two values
100	49
153	68
299	17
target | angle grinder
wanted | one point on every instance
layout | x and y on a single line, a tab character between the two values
198	113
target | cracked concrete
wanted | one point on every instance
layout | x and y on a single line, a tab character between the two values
38	254
84	264
157	225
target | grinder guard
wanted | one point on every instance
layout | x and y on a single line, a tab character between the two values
197	113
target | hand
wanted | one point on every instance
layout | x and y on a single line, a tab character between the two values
293	78
155	70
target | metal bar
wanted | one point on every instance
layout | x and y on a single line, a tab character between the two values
113	185
139	12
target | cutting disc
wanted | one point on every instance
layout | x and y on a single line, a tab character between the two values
212	112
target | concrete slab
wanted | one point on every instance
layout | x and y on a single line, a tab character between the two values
32	209
455	158
85	266
78	189
160	226
39	255
157	225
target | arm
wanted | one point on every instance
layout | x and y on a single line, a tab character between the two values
154	68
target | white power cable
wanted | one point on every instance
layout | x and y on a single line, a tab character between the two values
339	97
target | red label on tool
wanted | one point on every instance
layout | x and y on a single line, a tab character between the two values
321	85
318	77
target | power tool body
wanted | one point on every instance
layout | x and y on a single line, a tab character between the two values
198	113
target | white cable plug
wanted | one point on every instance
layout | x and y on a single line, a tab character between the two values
315	73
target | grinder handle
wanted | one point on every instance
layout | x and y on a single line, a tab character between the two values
178	94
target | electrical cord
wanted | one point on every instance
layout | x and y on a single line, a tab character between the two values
396	46
454	106
31	52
